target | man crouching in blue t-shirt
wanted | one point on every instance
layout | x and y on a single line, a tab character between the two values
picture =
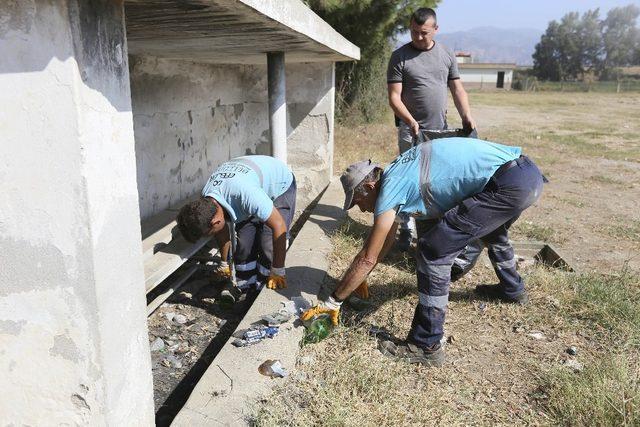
248	199
458	190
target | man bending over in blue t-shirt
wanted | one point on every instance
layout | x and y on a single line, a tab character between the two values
458	190
247	199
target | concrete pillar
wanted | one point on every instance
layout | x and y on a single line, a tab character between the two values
73	336
277	105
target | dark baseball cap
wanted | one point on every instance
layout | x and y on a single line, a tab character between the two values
352	177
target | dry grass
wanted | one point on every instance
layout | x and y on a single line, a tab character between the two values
496	374
586	144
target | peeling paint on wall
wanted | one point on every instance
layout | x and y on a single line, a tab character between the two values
65	347
221	111
11	327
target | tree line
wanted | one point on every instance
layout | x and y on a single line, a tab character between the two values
361	90
580	47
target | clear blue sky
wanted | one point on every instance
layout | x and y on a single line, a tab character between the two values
460	15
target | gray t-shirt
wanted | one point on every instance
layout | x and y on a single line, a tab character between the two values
424	75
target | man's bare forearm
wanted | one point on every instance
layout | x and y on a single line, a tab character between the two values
400	110
388	243
461	101
279	248
356	274
224	244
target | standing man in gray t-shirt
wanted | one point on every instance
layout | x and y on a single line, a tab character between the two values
417	78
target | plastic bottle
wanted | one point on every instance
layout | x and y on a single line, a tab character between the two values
318	328
273	369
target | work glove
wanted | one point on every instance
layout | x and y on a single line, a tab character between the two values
223	272
277	278
362	291
330	307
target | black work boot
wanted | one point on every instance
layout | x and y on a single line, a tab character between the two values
230	294
456	272
497	292
411	353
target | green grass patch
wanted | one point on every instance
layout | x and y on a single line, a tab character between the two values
582	144
572	201
601	179
599	87
534	231
606	393
607	307
611	304
628	229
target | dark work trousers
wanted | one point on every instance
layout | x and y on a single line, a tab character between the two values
254	249
469	255
486	216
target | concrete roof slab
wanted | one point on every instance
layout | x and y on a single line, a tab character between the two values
232	31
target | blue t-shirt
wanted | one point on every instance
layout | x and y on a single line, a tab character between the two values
246	186
452	169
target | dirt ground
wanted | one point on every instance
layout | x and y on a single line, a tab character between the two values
503	361
587	144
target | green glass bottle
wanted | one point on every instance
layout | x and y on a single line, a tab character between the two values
318	328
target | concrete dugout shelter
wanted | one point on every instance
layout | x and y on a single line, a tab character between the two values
113	113
484	75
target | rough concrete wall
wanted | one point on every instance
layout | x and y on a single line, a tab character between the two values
73	337
310	108
190	117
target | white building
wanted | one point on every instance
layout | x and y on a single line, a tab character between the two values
484	75
113	113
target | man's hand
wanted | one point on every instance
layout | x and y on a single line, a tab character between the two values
461	101
415	128
330	307
277	279
223	272
362	291
468	124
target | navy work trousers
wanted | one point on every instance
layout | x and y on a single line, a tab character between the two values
486	216
254	248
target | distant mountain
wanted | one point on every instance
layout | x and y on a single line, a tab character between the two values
488	44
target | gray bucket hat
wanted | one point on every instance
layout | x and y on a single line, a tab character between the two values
352	177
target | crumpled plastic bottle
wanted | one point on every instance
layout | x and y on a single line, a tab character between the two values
318	328
273	369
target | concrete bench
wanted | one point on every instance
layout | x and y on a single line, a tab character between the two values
228	390
164	249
